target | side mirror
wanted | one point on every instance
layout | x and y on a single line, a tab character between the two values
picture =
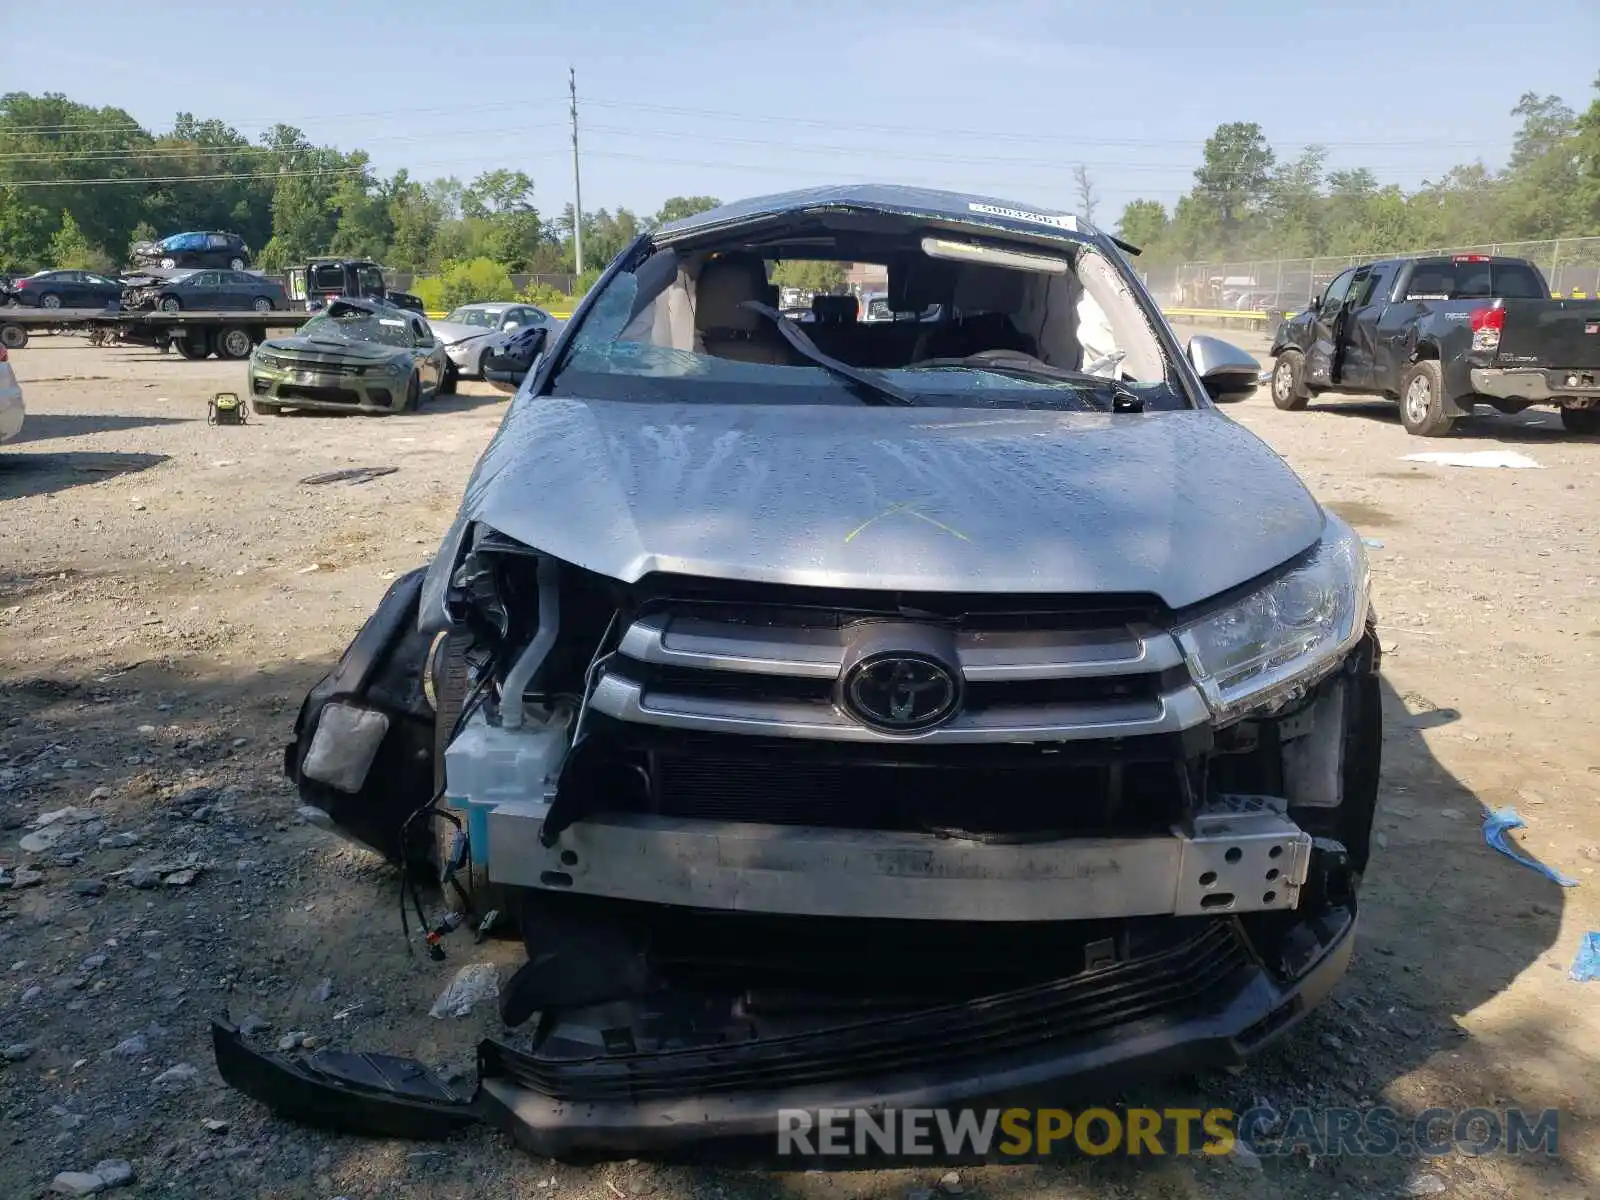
1315	304
510	325
507	364
1227	372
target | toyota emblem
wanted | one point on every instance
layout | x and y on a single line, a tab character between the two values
901	692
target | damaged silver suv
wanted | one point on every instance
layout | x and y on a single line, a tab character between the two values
917	712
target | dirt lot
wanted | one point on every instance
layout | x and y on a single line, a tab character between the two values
169	590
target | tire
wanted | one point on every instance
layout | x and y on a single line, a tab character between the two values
413	395
1422	400
13	337
168	263
261	304
1581	421
1288	392
449	381
235	343
195	347
265	408
49	300
236	264
170	304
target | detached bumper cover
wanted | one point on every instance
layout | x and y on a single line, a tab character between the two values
684	1105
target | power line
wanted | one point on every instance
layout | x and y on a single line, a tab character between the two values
771	119
131	179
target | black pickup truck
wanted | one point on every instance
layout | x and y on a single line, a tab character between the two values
1440	335
322	280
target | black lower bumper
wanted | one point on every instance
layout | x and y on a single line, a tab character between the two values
392	1097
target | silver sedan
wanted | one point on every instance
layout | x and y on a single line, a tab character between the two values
466	330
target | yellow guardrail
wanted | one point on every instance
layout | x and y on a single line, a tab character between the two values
1219	314
559	313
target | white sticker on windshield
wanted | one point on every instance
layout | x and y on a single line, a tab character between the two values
1061	221
391	321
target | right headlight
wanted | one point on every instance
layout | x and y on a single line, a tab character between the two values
1265	648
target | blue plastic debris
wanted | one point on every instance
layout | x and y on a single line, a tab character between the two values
1374	543
1586	967
1495	827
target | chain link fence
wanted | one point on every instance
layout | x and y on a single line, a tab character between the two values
1572	266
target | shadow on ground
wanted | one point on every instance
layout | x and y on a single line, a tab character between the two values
39	427
23	474
1535	425
1447	925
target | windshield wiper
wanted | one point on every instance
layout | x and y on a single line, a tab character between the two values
872	390
1006	362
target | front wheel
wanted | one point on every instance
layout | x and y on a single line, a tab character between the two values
49	300
171	304
265	408
236	264
1288	393
1581	420
413	393
449	380
1422	400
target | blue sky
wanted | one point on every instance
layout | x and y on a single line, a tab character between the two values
739	99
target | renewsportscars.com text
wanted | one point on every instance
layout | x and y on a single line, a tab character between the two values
1015	1134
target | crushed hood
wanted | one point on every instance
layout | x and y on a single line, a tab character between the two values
1180	505
451	332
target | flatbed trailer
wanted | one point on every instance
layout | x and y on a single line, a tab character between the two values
195	335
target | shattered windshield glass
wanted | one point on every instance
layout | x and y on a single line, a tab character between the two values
707	328
357	327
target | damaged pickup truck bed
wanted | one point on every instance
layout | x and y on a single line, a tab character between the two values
857	715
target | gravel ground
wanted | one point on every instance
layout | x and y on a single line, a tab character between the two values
168	591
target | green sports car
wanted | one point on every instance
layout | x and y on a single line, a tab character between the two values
359	355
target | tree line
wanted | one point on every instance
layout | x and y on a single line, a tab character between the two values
1247	203
80	184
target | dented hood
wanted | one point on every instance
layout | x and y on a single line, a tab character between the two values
1181	505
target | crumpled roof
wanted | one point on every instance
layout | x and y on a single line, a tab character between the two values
889	198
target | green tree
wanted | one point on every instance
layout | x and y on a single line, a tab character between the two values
471	282
676	208
809	275
69	248
1236	173
1143	224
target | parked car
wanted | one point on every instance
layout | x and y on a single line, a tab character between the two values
899	712
1440	335
468	329
11	409
207	248
323	280
208	291
67	289
361	355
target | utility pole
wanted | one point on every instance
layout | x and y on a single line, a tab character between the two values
577	186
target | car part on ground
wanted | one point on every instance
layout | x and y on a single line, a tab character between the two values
763	672
355	355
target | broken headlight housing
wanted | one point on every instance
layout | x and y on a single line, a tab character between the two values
1264	649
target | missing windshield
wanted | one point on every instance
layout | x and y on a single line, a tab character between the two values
835	311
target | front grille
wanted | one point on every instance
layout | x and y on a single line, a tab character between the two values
774	670
1192	976
326	395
